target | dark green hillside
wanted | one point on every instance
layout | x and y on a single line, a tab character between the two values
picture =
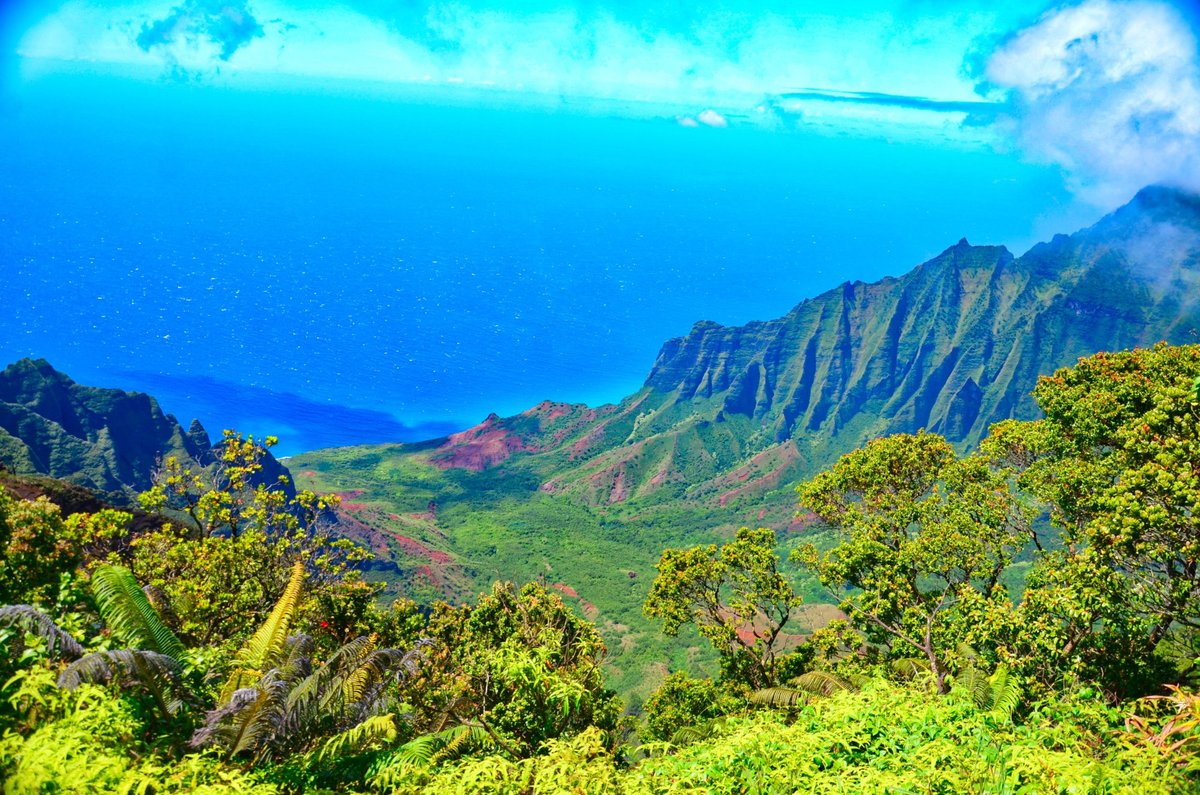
109	440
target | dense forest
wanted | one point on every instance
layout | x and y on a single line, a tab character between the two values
1024	617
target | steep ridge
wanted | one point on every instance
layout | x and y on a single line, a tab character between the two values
952	346
108	440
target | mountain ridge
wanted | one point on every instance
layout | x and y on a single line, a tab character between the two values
952	346
108	440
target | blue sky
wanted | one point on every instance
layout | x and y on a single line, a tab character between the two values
428	211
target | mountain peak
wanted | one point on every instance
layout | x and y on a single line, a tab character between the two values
1165	196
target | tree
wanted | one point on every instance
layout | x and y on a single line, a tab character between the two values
227	554
1116	463
518	664
682	703
736	597
919	529
36	547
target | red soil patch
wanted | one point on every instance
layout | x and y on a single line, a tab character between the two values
777	459
478	448
308	473
415	549
620	489
565	589
428	573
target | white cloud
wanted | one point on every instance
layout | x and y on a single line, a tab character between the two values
711	118
565	52
1110	91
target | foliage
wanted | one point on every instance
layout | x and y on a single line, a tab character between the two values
36	547
241	539
518	663
921	530
736	596
888	739
130	617
1115	463
682	702
1171	725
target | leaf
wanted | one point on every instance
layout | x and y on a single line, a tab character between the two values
269	643
822	683
158	674
777	697
371	733
972	684
1005	693
910	667
127	612
248	721
58	641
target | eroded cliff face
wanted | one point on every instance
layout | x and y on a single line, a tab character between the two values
104	439
952	346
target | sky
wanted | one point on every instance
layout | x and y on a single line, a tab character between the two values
378	220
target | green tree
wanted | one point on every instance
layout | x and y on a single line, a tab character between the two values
229	541
682	703
1116	464
518	664
36	548
919	530
736	597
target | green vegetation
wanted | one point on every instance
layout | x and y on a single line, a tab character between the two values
1022	618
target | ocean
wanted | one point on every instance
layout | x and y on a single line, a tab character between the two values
343	268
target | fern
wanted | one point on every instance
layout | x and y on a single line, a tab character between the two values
777	697
128	613
248	721
371	733
907	668
59	642
972	685
823	683
269	643
157	674
432	749
1006	693
686	735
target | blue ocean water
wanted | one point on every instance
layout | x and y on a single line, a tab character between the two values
343	268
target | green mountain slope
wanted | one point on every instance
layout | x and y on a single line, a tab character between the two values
730	417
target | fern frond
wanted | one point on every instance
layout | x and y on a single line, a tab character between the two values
822	683
248	721
967	652
419	750
909	667
971	684
368	735
433	749
459	740
267	646
127	612
1005	693
157	674
774	697
686	735
59	642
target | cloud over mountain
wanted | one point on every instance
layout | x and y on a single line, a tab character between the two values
1109	90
